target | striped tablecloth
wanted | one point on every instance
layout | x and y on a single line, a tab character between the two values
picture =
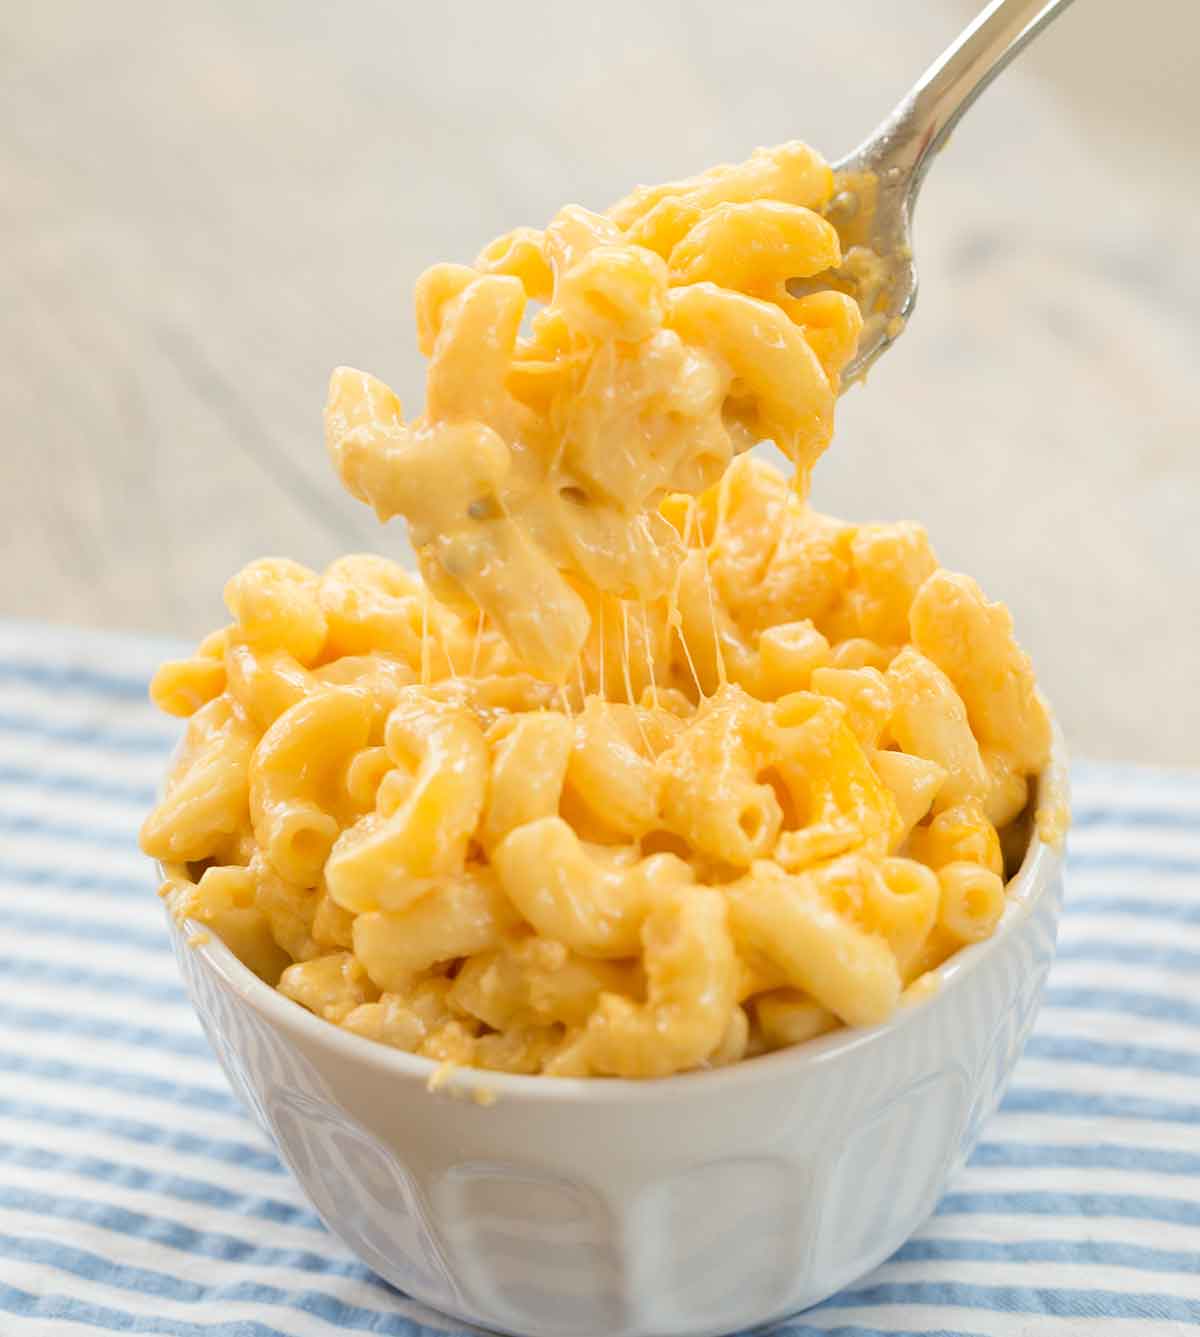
135	1195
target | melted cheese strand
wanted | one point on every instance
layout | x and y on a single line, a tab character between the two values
603	684
625	665
722	675
674	621
649	655
582	682
444	645
426	668
477	644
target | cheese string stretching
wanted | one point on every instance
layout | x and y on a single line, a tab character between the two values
721	773
666	343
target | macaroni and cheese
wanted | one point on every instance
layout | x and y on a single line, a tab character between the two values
654	767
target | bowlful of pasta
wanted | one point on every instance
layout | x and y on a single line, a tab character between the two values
661	844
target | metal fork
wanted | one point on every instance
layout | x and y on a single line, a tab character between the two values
877	183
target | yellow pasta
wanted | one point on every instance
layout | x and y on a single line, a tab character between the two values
206	806
404	1021
182	686
660	352
388	858
972	901
840	803
788	1017
788	655
290	911
971	640
276	606
331	925
865	694
331	986
265	683
961	834
929	720
532	981
225	900
611	773
901	905
652	767
691	979
458	918
589	899
297	779
529	758
792	921
914	783
712	796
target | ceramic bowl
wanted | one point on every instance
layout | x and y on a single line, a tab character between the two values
695	1204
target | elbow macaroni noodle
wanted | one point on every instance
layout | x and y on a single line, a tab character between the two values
657	768
663	341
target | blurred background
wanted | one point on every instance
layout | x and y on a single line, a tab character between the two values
207	207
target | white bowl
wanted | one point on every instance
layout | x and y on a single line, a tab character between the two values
695	1204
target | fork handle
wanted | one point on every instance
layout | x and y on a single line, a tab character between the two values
912	135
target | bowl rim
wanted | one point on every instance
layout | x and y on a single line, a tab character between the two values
1037	874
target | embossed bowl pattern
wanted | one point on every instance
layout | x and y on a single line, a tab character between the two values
698	1204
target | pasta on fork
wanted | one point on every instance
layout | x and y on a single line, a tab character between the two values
653	767
664	342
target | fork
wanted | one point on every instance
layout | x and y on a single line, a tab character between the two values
877	184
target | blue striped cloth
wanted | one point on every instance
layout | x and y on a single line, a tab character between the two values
136	1196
